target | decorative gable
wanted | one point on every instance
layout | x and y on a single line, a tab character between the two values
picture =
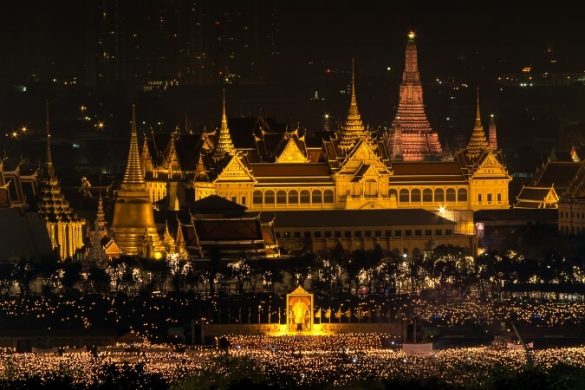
363	160
551	196
235	170
292	153
490	167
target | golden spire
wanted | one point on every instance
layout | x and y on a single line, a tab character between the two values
224	144
200	170
353	109
49	163
171	158
134	173
353	129
477	142
146	158
477	112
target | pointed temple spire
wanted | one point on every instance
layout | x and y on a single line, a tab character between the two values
493	136
411	73
50	170
100	220
477	111
133	223
171	162
224	144
201	170
477	142
419	141
146	157
63	225
353	129
134	173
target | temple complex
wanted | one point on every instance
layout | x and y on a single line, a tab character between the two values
275	171
271	169
411	137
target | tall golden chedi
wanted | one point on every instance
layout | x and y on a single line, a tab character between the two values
411	137
133	223
64	226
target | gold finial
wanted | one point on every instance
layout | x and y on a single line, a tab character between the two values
49	162
411	35
133	130
223	111
477	112
353	98
134	173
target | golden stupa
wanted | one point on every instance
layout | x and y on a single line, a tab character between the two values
133	224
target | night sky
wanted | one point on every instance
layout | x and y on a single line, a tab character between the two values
316	41
333	31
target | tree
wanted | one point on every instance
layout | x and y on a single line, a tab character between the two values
24	273
213	268
71	274
98	279
241	271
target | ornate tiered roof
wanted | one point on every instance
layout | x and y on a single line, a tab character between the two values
223	145
416	138
353	128
477	142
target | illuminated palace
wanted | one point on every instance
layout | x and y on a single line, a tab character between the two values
276	170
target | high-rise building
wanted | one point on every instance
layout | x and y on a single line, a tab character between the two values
156	44
411	137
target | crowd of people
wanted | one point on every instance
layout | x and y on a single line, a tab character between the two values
340	360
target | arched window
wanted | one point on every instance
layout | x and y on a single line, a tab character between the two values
257	197
281	197
328	196
305	196
427	195
293	197
439	195
451	195
462	195
316	196
269	197
404	195
393	193
415	195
